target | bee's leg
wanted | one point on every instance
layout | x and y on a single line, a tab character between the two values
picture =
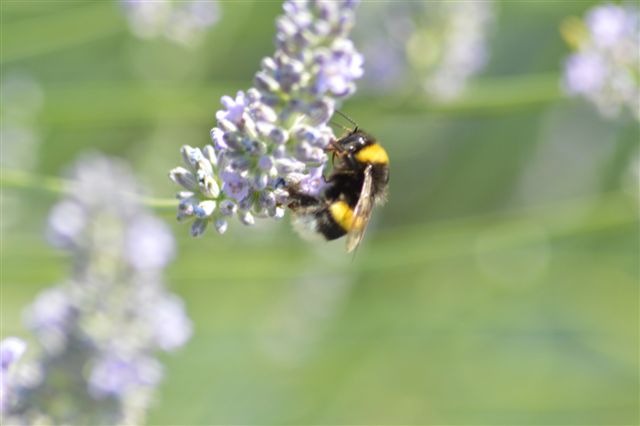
335	148
279	183
353	163
299	200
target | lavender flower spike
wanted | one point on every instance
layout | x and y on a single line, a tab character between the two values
277	129
99	331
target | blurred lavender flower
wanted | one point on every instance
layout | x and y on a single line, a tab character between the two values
99	330
277	130
605	68
11	350
440	43
183	22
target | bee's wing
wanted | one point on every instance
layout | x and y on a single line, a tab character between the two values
362	212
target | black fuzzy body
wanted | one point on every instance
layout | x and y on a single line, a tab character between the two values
343	184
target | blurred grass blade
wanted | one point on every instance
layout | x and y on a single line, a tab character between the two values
52	32
17	179
415	245
411	245
484	96
123	104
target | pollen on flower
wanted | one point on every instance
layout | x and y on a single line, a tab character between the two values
277	128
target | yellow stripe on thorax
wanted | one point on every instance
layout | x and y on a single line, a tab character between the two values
342	214
373	153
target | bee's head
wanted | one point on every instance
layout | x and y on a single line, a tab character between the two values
359	148
354	142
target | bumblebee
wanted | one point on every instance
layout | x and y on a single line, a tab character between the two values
358	181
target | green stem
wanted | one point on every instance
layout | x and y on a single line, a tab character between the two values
18	179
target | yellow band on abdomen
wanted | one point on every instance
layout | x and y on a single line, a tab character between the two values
342	214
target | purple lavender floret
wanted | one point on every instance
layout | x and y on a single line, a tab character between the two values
11	350
608	24
234	108
276	130
585	73
116	375
100	330
48	318
338	70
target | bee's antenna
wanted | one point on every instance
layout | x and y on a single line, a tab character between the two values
346	117
340	125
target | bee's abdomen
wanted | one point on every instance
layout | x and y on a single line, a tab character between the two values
335	220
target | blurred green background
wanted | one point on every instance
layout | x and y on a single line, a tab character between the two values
499	285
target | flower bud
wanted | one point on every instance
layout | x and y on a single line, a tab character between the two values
184	177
